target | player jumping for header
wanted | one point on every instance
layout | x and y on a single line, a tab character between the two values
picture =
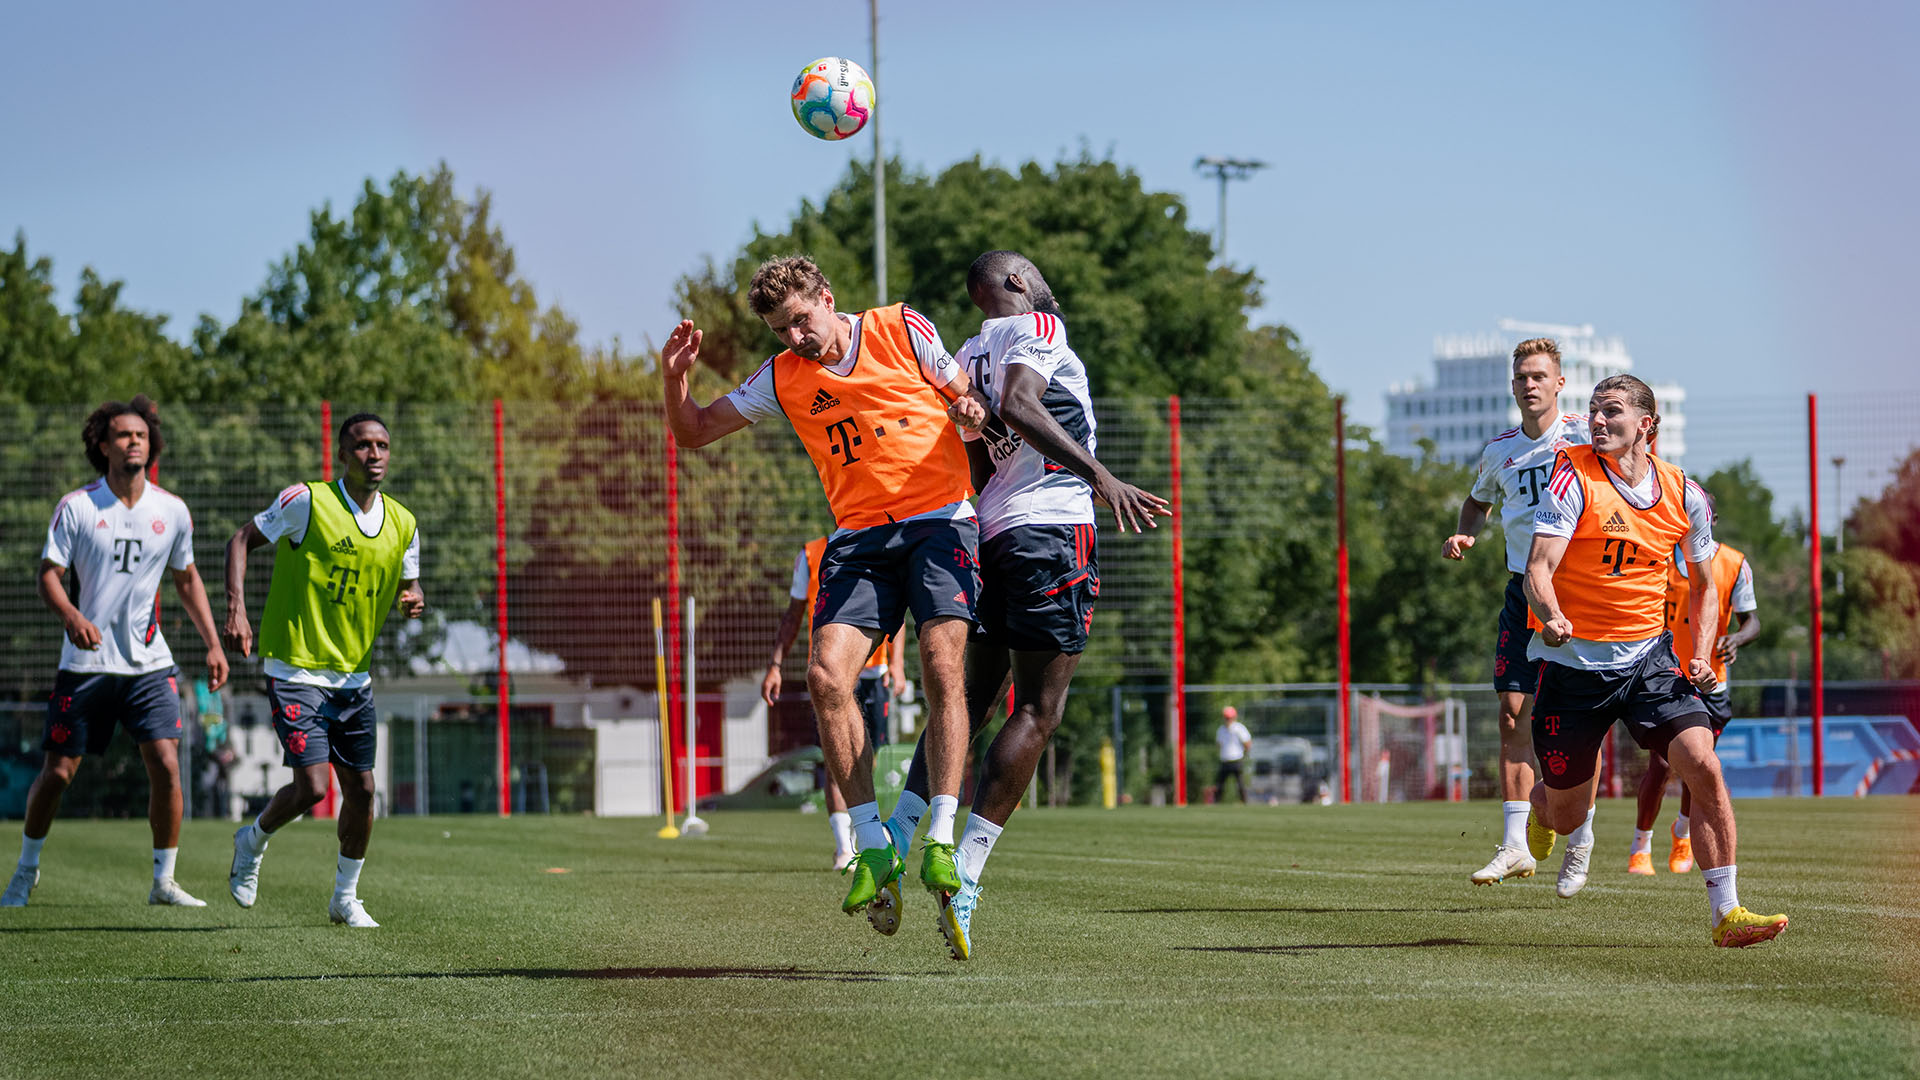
1513	471
1032	449
343	554
867	395
118	535
1597	579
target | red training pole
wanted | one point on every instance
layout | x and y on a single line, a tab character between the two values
673	580
1813	575
1344	625
500	598
326	474
1177	723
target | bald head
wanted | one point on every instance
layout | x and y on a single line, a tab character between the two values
1003	283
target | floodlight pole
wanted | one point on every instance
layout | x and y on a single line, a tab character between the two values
1224	169
879	164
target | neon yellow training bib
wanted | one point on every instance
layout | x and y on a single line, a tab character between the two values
332	591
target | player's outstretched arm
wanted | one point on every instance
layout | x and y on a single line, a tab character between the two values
237	632
1020	407
1542	561
53	592
692	423
1473	518
193	594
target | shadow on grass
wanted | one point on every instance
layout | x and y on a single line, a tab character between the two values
614	974
1307	910
1423	943
136	929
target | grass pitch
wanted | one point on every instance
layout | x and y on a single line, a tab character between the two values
1209	941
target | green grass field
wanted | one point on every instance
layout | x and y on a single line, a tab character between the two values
1210	941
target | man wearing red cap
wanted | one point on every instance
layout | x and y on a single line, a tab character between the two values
1234	741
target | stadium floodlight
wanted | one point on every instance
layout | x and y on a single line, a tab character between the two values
1224	169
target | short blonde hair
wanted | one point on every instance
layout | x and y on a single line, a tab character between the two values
778	279
1535	347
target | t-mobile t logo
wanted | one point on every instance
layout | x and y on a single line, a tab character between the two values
126	554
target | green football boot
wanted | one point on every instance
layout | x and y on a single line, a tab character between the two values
873	869
937	871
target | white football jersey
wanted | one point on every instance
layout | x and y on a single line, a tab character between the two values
116	556
1513	472
1027	488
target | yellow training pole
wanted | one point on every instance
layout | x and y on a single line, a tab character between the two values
667	831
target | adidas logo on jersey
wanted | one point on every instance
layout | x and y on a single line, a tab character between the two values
344	546
822	401
101	524
1616	523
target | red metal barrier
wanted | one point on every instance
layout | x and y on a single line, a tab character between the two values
674	705
328	806
1344	629
1814	628
1177	723
500	600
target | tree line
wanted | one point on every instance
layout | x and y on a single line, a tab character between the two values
411	301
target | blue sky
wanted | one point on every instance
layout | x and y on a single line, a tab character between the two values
1728	186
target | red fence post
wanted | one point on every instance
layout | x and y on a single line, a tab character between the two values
500	600
673	581
1815	630
1343	619
1177	723
327	805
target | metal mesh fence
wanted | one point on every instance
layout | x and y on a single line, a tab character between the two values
586	508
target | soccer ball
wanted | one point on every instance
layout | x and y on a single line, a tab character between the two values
832	98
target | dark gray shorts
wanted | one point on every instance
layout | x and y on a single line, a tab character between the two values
317	725
84	707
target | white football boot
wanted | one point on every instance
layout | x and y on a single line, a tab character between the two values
24	879
349	910
243	879
1573	871
1507	863
168	892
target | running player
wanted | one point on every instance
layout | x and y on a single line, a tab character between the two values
343	554
883	677
867	395
1513	472
1034	450
1733	587
1597	580
118	535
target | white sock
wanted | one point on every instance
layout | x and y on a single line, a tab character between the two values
1583	834
1682	829
30	851
944	809
907	814
1642	842
976	843
253	838
346	876
1515	816
841	823
1722	895
868	833
163	860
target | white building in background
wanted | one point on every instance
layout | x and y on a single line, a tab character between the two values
1470	397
